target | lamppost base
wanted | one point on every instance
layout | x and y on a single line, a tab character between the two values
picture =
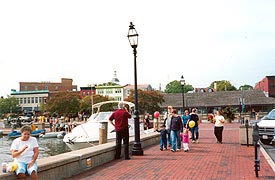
137	150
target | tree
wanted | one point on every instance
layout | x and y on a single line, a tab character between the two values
108	84
64	103
223	85
148	101
245	87
86	103
175	87
9	105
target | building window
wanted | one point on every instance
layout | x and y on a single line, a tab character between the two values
36	88
83	93
46	88
25	100
40	99
21	100
210	90
25	88
117	98
36	99
271	86
128	92
29	100
101	91
32	100
118	91
109	91
56	88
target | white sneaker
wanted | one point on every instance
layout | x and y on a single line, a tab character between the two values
193	141
178	149
197	141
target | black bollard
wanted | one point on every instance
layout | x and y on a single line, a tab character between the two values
242	120
247	138
256	138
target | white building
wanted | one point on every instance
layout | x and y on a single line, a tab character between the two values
30	100
116	91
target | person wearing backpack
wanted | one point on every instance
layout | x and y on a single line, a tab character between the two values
195	130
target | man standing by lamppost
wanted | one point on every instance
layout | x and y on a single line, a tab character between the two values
182	82
133	39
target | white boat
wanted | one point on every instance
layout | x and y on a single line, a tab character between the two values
59	134
86	134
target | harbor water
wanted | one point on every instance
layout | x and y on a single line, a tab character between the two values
47	147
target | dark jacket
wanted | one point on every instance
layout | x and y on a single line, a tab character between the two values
176	123
163	133
195	118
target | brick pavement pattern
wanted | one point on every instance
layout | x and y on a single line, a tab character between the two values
206	160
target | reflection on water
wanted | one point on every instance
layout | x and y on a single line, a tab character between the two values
47	147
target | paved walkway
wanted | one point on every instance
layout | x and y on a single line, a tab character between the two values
206	160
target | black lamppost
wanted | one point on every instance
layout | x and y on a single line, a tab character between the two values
182	82
92	97
133	39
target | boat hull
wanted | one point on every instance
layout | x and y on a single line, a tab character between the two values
60	134
16	134
76	140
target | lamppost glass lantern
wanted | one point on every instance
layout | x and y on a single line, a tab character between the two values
182	82
133	36
133	39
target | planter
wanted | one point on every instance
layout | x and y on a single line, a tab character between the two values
243	135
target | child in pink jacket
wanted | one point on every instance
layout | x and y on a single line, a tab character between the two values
185	140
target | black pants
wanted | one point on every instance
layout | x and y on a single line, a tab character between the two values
122	135
218	133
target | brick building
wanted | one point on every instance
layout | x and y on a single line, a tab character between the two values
32	94
267	85
66	84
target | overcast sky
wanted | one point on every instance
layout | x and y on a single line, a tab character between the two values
87	41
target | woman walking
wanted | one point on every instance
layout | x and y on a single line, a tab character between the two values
218	129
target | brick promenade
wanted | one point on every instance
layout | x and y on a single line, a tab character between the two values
206	160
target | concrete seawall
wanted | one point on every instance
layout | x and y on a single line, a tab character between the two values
67	164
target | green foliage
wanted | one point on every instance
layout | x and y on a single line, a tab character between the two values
228	113
108	84
223	85
9	105
148	101
64	103
86	103
246	87
187	88
175	87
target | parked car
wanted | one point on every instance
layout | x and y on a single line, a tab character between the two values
267	127
25	118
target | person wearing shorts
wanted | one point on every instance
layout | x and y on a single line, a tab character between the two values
25	151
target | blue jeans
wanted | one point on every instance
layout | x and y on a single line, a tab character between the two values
195	130
169	137
163	142
175	138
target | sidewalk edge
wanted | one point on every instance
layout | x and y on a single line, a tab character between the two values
268	159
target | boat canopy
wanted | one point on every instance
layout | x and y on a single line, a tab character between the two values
98	105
